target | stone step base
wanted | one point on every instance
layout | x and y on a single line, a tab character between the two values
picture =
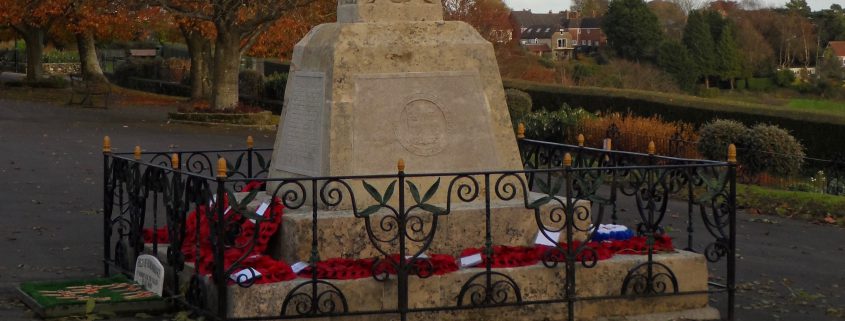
703	314
535	283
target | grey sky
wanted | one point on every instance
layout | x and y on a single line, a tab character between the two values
559	5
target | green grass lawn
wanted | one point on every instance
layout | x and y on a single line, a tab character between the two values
822	105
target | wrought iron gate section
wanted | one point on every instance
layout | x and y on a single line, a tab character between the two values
561	184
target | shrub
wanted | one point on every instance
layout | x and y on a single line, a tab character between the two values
783	78
556	126
808	205
620	73
274	86
771	149
250	83
519	103
705	92
57	56
715	137
546	62
759	84
635	133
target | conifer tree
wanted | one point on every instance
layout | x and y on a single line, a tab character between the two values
728	61
673	57
632	29
699	43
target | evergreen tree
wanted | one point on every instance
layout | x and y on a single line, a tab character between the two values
632	29
798	6
700	45
674	59
830	68
728	60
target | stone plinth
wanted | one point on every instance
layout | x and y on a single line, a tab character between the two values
341	234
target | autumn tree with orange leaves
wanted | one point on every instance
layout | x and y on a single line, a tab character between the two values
32	19
490	17
238	25
89	20
280	38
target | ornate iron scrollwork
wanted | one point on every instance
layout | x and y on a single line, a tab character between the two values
650	278
489	289
312	298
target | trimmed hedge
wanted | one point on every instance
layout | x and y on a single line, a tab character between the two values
819	131
807	205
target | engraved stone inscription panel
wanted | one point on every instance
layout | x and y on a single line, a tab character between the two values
435	121
302	130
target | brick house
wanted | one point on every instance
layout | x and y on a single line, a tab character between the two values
558	34
838	48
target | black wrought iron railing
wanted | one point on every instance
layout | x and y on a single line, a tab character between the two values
200	200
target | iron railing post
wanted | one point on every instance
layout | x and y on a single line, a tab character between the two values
108	202
219	246
569	212
402	271
732	243
250	144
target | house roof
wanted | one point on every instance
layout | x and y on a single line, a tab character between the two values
527	18
539	32
838	47
583	23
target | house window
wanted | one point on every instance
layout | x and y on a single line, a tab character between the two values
574	43
583	42
560	43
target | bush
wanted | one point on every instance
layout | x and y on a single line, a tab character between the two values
548	63
759	84
809	205
251	83
557	126
716	136
818	131
635	133
771	149
705	92
620	73
519	103
274	86
56	56
783	78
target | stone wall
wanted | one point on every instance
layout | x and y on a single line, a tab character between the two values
62	69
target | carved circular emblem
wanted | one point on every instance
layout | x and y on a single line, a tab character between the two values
422	127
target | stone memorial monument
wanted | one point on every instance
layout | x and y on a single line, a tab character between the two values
391	80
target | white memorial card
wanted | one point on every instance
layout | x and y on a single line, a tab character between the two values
298	267
261	210
470	261
149	273
543	240
245	275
